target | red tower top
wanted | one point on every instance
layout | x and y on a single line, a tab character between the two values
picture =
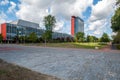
72	25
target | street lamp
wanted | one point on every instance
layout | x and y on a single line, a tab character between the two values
24	34
19	34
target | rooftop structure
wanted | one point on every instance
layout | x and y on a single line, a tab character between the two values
25	23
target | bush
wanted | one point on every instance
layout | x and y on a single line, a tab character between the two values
1	37
105	38
32	37
117	38
118	46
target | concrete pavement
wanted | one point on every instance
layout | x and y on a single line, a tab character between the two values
68	64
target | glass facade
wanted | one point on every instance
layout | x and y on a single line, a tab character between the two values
11	31
56	35
14	30
25	31
79	25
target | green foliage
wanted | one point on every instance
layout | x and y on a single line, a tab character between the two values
116	21
118	2
113	37
117	38
49	22
21	39
79	37
105	38
1	37
91	39
32	37
47	35
118	46
95	39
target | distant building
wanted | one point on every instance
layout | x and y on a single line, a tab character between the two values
23	28
77	25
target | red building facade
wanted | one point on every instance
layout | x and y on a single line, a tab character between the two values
72	25
3	30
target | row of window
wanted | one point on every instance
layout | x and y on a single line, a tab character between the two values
79	25
11	28
14	30
21	30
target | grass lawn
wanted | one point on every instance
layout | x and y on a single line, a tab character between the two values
72	45
13	72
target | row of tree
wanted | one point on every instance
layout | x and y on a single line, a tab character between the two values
32	38
80	37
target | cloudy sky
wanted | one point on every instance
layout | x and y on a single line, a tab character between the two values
95	13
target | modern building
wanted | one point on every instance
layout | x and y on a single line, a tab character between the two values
23	28
77	25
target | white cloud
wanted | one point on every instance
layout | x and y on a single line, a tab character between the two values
68	8
96	24
98	32
59	25
30	11
4	2
100	16
2	17
102	9
114	33
35	10
11	9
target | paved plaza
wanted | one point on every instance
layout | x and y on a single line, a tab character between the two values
68	64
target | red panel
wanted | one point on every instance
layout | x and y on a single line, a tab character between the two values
3	30
72	25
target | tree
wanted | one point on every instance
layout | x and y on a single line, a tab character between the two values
95	39
49	22
105	38
47	36
117	38
21	39
115	21
1	37
116	24
118	2
80	36
116	18
32	37
91	38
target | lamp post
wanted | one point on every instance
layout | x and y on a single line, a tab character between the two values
24	34
19	33
11	33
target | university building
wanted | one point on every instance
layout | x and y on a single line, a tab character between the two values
23	28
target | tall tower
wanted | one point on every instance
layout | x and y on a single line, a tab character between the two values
72	25
77	25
